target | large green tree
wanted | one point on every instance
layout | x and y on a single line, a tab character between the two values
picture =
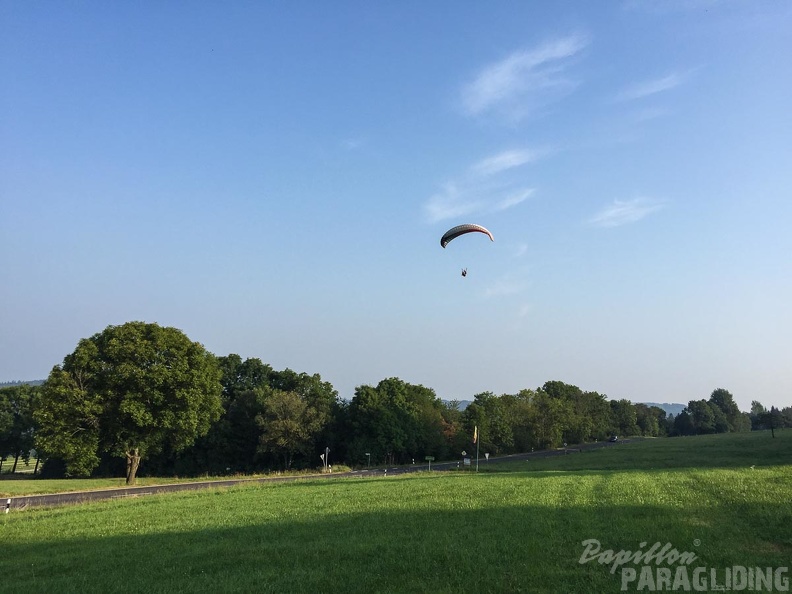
396	421
379	421
548	420
6	423
702	416
520	414
322	406
239	376
624	418
490	414
233	442
130	391
16	422
289	424
724	400
586	415
651	420
683	424
252	433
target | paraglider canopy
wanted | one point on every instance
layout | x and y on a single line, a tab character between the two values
455	232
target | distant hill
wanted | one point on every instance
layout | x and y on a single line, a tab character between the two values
670	409
20	383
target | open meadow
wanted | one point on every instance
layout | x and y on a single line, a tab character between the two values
514	527
19	485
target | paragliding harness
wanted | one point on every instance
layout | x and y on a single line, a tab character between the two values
464	272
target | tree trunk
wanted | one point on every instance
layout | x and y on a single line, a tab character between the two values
16	459
133	461
2	459
35	470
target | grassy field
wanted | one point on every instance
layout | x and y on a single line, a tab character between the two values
736	451
518	527
18	485
22	468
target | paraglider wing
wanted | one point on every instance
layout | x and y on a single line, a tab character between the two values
455	232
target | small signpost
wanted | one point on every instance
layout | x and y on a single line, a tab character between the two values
429	459
325	458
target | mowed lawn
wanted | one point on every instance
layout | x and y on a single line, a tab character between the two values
518	527
18	485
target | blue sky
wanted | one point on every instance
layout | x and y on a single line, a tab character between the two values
274	178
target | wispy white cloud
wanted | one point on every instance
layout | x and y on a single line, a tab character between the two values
521	250
651	87
525	309
352	143
514	199
624	212
454	200
504	287
449	203
525	80
506	160
490	185
513	282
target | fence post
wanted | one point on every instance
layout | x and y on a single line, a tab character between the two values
8	505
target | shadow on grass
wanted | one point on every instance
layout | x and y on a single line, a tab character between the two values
505	548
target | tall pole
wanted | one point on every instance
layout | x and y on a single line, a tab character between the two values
478	442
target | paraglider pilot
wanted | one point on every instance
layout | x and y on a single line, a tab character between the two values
464	272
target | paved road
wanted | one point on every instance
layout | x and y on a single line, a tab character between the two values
26	501
118	493
510	458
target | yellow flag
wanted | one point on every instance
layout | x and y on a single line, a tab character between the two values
475	433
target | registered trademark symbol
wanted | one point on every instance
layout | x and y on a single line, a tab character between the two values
696	542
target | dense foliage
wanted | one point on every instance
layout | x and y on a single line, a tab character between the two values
16	422
142	391
130	391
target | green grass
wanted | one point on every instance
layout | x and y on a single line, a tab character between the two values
736	451
516	530
23	486
22	467
19	485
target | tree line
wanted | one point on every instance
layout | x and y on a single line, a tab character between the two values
143	394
